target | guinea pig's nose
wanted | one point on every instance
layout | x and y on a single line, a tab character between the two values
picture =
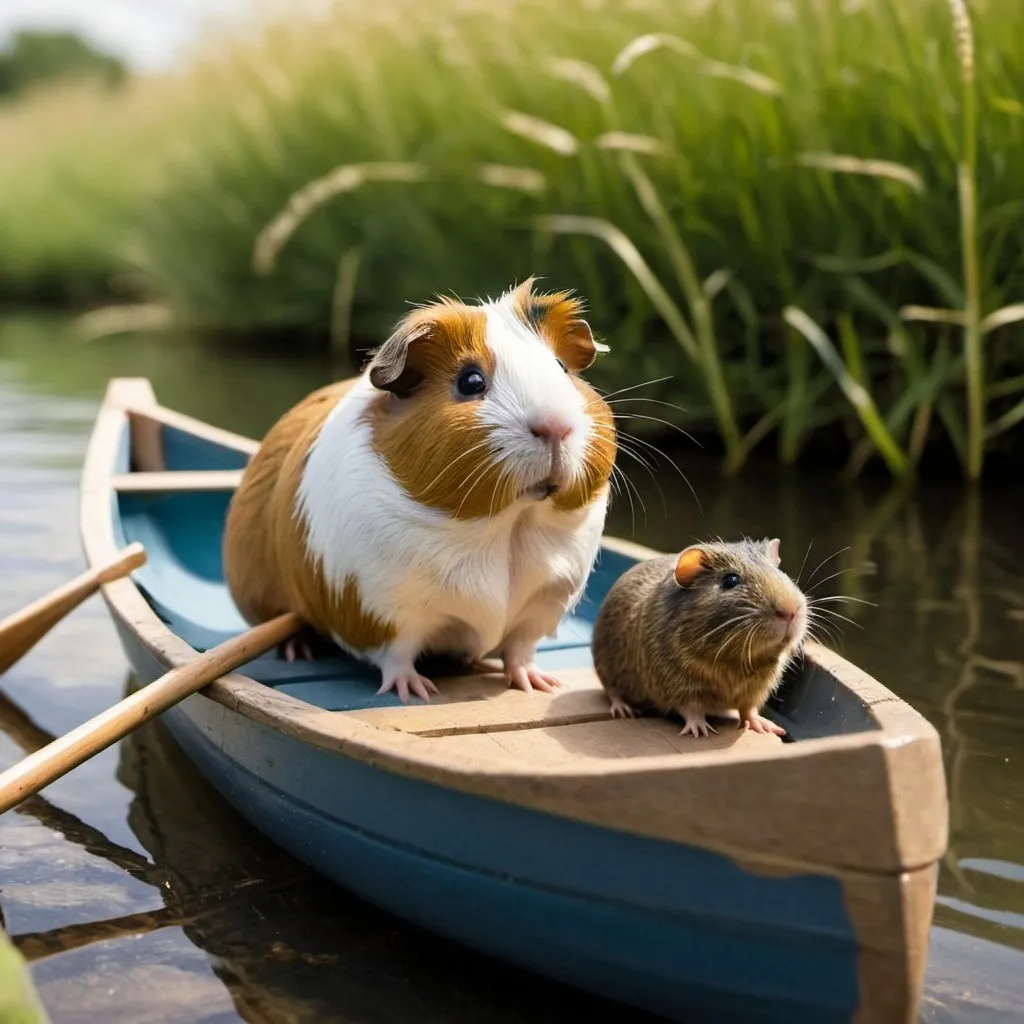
788	614
550	429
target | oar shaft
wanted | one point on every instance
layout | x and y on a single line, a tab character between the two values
47	765
20	632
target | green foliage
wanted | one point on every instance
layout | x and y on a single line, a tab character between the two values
32	58
806	212
19	1003
694	171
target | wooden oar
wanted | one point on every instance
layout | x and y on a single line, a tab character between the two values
20	632
57	758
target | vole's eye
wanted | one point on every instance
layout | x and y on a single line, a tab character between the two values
730	580
565	369
471	382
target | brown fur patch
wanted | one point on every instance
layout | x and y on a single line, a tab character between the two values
266	563
435	446
558	319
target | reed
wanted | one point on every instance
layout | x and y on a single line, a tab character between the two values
695	169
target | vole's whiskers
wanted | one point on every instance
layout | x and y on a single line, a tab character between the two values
821	563
841	572
804	562
836	615
742	617
841	597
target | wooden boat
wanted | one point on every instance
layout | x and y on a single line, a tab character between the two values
736	878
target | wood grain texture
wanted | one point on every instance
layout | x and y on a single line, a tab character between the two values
20	632
892	917
774	804
177	481
44	766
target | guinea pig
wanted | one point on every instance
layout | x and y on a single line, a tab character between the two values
704	632
450	500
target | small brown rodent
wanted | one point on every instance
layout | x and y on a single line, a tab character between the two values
704	632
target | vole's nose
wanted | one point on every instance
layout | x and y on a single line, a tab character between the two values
552	429
785	613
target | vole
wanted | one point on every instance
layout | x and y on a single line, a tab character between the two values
449	500
704	632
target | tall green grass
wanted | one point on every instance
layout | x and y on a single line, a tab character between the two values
805	212
77	164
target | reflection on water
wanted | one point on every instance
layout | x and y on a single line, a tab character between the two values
137	895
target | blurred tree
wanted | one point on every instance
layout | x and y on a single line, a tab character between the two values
31	58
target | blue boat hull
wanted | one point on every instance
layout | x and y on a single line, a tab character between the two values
679	931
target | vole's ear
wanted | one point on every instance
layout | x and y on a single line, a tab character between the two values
772	548
689	565
558	318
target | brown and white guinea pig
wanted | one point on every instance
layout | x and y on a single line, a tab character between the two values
450	500
704	632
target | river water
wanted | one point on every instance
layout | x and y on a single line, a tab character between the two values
137	895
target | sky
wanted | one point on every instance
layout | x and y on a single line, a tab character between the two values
147	34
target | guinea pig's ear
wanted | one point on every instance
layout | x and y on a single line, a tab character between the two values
772	550
389	368
689	565
558	318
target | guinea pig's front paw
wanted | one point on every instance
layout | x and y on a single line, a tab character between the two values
406	680
529	677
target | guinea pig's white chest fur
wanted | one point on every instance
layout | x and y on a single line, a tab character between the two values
467	585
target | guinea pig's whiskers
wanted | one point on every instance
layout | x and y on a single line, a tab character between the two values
637	457
469	451
479	478
627	486
632	387
843	597
650	401
633	439
657	419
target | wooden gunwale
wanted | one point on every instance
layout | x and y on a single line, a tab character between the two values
664	796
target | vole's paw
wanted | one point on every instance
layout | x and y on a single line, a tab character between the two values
529	677
404	682
752	721
295	648
696	724
620	709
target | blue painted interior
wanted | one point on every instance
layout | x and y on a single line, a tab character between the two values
184	582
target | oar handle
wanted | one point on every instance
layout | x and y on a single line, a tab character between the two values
47	765
20	632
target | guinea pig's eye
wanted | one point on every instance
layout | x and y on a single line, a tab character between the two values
565	369
471	382
730	580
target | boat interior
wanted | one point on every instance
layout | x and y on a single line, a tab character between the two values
176	508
